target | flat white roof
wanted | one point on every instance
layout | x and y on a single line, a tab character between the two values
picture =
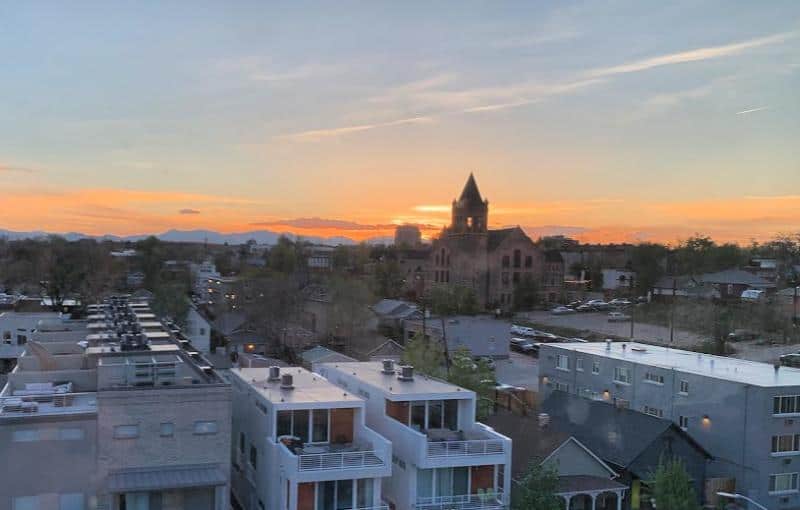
309	388
720	367
421	387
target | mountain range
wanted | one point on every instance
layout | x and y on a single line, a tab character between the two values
195	236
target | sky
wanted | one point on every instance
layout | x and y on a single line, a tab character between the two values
608	121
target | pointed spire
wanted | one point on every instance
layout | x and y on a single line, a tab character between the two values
470	195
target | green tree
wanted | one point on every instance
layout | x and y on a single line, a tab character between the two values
286	256
172	300
425	356
388	279
672	487
648	260
526	293
476	376
67	269
537	489
350	299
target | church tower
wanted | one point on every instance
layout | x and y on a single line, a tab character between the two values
470	211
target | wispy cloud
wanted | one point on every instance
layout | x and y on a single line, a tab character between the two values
432	208
188	211
695	55
321	134
752	110
15	169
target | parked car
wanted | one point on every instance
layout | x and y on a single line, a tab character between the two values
791	360
562	310
753	295
486	359
522	345
618	317
535	351
585	308
521	330
575	304
543	336
619	302
741	335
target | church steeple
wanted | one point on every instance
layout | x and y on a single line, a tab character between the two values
470	211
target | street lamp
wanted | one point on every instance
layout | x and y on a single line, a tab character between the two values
738	497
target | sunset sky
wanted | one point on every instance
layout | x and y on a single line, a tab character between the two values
608	121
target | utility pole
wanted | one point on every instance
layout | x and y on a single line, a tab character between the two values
672	312
633	305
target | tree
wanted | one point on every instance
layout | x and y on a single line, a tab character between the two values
526	293
271	303
476	376
672	487
537	489
286	256
172	300
425	356
67	269
350	299
647	261
388	279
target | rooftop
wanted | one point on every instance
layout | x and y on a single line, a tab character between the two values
720	367
308	387
422	386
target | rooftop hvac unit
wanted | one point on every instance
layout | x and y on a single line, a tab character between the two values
287	382
406	373
274	373
388	366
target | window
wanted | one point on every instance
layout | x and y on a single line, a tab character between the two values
205	427
515	277
784	482
528	261
622	375
72	501
506	261
684	389
70	434
25	435
504	278
786	443
254	457
653	411
621	403
579	364
786	404
126	431
517	258
25	503
562	387
595	367
307	425
319	434
683	422
22	339
241	442
654	378
202	331
167	429
562	362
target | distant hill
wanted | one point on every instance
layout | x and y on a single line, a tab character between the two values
194	236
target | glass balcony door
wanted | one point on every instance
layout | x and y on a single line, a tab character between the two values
344	494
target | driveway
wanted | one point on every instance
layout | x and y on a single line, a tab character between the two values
598	322
518	370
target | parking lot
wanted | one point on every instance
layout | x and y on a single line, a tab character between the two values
518	370
598	322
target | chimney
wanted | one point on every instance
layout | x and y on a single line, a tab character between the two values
608	344
274	373
406	373
287	382
544	420
388	366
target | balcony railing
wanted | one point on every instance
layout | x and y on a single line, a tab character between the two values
485	501
465	448
342	460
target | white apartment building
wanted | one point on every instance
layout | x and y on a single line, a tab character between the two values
442	458
301	443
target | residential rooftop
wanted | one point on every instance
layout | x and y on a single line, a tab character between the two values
307	387
719	367
420	387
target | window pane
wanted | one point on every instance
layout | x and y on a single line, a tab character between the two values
70	434
26	503
126	431
325	495
70	502
444	482
451	414
418	415
301	425
284	423
424	483
344	494
460	480
205	427
365	492
435	414
25	435
320	426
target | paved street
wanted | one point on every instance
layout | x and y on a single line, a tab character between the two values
518	370
598	322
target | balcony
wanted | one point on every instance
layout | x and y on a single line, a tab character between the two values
368	456
489	500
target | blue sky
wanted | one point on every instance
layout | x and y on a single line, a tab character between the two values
613	116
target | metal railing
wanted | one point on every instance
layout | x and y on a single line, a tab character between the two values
465	448
489	500
342	460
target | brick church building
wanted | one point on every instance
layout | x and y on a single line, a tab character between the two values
491	262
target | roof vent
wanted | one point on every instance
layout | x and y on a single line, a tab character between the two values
406	373
544	420
608	344
274	373
287	382
388	366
